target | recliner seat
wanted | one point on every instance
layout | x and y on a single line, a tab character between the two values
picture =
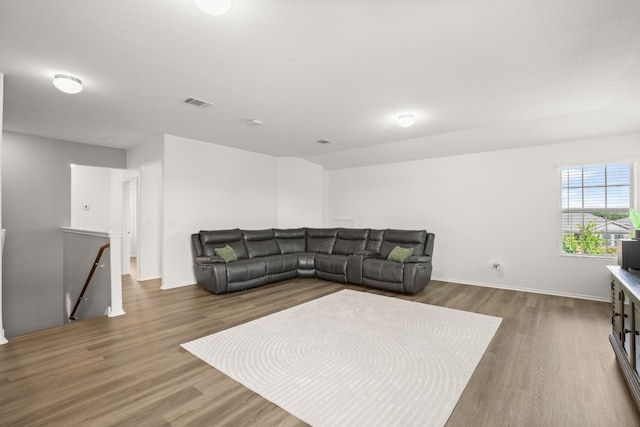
402	277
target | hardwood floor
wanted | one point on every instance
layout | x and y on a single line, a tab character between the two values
550	363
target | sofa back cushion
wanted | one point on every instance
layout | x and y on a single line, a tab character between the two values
212	239
321	240
291	240
404	238
260	243
375	240
350	240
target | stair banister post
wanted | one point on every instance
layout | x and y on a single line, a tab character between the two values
115	239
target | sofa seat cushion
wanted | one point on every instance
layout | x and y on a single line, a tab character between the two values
336	264
307	261
281	263
246	269
382	270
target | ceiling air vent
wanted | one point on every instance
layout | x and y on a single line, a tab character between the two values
198	102
324	141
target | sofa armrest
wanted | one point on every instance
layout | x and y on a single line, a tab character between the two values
207	259
367	254
418	258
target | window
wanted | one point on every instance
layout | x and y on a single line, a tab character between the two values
595	207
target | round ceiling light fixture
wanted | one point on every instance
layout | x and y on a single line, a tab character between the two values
67	84
214	7
406	120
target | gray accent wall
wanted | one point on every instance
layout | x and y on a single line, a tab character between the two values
36	192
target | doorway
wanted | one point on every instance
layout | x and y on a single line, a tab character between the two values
130	209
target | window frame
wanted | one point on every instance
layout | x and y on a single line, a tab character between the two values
589	210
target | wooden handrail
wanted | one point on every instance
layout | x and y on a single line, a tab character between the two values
86	284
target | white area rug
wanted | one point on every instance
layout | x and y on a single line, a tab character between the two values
355	359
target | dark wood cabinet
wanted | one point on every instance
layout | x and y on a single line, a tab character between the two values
625	322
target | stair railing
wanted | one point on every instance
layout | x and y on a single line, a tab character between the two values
96	263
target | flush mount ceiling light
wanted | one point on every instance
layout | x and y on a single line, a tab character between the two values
67	84
214	7
406	120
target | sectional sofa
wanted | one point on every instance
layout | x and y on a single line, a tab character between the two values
232	260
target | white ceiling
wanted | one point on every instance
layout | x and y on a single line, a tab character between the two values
478	75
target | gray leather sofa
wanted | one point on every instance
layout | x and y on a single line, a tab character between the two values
346	255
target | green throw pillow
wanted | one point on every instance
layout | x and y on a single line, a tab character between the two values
400	254
227	253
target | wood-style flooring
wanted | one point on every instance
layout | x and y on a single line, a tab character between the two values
550	363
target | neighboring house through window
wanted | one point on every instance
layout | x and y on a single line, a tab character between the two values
595	207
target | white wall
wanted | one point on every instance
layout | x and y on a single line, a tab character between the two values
96	198
147	157
501	206
2	336
147	152
1	116
150	233
301	193
131	213
116	212
208	186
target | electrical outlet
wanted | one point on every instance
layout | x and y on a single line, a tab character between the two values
496	266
